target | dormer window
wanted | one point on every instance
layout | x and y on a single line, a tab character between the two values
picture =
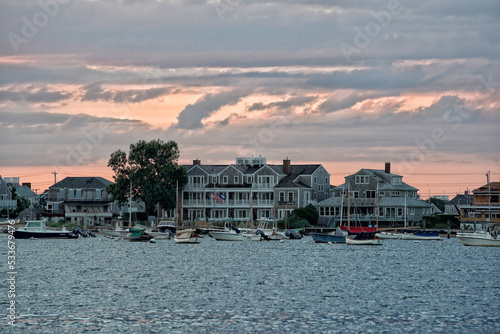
396	181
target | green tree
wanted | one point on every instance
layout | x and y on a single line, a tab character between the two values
439	203
309	213
152	169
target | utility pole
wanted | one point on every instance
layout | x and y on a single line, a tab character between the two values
55	176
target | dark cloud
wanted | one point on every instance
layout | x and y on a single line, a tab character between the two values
95	92
193	114
34	95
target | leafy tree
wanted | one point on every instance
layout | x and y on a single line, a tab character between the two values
439	203
152	169
309	213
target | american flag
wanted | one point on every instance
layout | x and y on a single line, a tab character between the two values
217	198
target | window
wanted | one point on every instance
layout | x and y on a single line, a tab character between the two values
282	196
400	212
380	212
236	179
62	193
370	194
381	193
412	211
71	193
214	179
290	196
396	181
394	193
361	179
321	211
249	179
355	194
98	194
224	179
315	181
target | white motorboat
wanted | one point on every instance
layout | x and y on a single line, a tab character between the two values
480	238
37	229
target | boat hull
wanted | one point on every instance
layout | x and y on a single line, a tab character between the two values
385	235
114	233
372	242
19	234
328	238
193	240
227	236
483	239
420	237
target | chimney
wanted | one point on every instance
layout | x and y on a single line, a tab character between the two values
388	167
196	162
287	168
27	184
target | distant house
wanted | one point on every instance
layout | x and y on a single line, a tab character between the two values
23	190
485	207
456	202
81	200
251	187
6	200
368	189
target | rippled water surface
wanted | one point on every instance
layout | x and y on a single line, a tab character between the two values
116	286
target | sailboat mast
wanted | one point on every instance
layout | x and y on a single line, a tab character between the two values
376	213
130	206
176	204
342	206
405	212
348	208
489	196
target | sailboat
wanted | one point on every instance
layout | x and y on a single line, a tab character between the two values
336	237
186	236
419	235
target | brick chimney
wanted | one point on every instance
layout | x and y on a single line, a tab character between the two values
27	184
388	167
287	166
196	162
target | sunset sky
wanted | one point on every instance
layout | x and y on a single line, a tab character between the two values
347	84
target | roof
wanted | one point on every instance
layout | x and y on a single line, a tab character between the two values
4	189
24	191
383	178
384	201
290	181
82	182
460	199
495	186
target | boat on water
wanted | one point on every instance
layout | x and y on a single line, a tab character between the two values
421	235
232	233
187	236
119	231
138	234
38	229
486	238
363	238
388	235
336	237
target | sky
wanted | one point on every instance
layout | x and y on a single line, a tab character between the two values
346	84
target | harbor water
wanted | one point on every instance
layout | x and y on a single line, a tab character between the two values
297	286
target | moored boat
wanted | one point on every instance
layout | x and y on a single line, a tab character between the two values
421	235
337	236
480	238
37	229
138	234
188	236
388	235
363	239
